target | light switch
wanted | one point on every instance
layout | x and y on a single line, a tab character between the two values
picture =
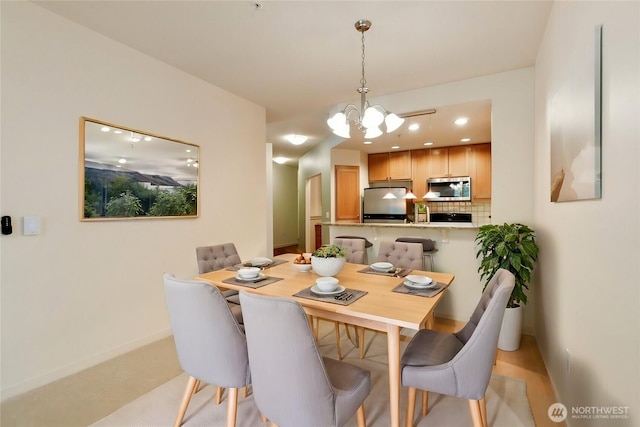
30	225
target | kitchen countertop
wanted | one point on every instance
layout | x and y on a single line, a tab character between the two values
448	225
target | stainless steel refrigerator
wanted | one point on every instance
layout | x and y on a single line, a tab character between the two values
377	209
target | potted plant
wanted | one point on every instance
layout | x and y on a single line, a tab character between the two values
328	260
514	248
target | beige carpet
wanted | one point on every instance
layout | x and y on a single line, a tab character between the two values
507	404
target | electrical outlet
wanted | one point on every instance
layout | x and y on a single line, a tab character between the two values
567	362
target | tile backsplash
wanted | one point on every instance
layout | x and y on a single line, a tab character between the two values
480	212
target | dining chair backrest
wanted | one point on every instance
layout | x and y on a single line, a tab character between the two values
356	250
211	345
400	254
216	257
474	362
291	384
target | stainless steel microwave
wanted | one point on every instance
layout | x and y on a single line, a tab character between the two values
452	189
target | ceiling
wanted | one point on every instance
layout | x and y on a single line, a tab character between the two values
300	59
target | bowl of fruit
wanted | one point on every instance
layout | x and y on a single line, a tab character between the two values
302	263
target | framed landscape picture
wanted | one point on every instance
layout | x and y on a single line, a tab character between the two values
575	118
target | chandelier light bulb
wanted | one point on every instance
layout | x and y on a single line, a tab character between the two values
372	118
372	132
392	122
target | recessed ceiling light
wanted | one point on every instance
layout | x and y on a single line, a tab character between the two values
461	121
117	131
368	142
465	140
428	143
395	147
122	161
414	126
105	129
280	160
296	139
147	138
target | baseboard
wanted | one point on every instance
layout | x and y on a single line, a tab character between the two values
73	368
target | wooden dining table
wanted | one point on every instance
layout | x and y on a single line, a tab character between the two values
380	309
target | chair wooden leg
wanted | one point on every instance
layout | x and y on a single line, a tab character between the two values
476	416
263	418
232	407
244	392
362	422
425	402
195	388
361	339
273	424
483	412
411	406
186	398
337	325
316	328
218	395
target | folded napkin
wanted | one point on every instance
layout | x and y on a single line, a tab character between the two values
345	298
257	283
402	273
432	291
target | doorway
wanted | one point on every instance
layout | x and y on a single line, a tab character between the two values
313	209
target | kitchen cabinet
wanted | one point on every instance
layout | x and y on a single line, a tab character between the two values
481	172
419	171
450	161
394	166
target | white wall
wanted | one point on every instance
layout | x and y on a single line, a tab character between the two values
79	292
588	277
512	105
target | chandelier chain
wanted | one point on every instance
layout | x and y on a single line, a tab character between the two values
363	81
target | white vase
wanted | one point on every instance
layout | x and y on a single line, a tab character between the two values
327	266
509	339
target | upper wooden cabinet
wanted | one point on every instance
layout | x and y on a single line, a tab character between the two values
419	171
450	161
390	166
481	172
347	193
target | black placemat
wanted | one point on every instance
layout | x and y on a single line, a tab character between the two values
356	295
264	267
431	292
255	284
402	273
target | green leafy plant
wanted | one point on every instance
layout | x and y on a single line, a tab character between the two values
330	251
512	247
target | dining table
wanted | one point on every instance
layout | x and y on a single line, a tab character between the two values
380	303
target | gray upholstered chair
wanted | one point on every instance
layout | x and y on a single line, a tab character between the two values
356	249
459	364
428	250
210	342
356	254
217	257
401	254
293	384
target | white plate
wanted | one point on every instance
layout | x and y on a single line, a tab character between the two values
242	279
260	261
419	280
382	266
316	290
410	284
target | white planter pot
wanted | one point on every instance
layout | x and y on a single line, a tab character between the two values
327	266
509	339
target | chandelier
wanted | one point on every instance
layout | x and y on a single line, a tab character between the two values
368	118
